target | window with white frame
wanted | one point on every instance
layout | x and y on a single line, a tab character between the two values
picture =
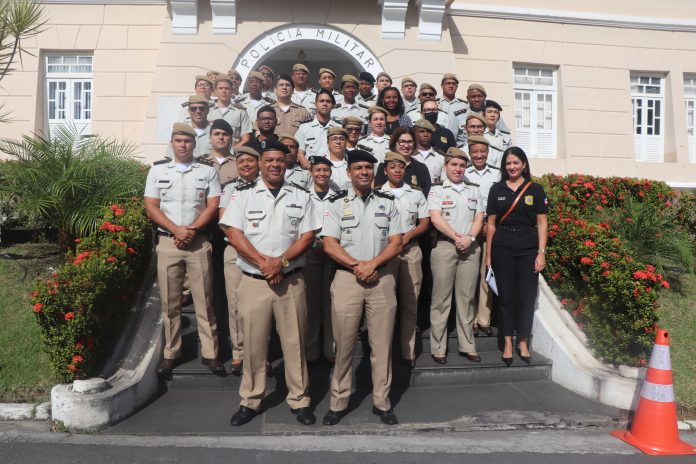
690	96
648	100
535	110
69	87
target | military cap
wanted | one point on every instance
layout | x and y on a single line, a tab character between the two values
355	156
223	78
424	124
184	129
336	131
449	76
273	145
425	85
212	75
326	70
476	116
288	137
198	99
472	139
393	156
255	75
406	80
478	87
385	75
349	78
352	120
263	66
300	67
233	72
315	160
493	104
454	152
204	78
246	150
376	109
367	77
222	125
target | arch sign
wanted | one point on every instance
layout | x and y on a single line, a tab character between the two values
275	39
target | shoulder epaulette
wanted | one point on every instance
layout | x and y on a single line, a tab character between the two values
493	166
204	161
300	187
234	180
438	151
338	105
185	104
437	182
415	187
164	161
474	184
504	131
238	106
365	147
337	120
339	195
384	194
378	187
269	100
361	105
247	186
458	112
240	99
305	122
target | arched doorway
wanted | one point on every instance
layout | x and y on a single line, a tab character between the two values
314	45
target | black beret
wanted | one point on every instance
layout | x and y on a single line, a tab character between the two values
366	76
360	155
273	145
316	159
493	104
222	125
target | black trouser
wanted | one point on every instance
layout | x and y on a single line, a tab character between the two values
513	265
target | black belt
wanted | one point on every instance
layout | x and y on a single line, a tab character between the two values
349	269
262	277
517	230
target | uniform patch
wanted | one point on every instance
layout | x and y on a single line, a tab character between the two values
447	203
443	139
414	180
529	200
294	222
380	214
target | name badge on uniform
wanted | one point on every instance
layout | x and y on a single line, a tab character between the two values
529	200
447	202
380	214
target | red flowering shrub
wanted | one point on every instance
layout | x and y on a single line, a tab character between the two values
611	294
80	307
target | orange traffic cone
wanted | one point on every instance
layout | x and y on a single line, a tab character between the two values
654	427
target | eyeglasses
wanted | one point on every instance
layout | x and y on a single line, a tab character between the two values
353	129
195	109
427	94
337	138
405	142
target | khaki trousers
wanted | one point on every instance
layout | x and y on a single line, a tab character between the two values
172	266
317	275
259	304
485	299
233	276
408	275
456	271
348	298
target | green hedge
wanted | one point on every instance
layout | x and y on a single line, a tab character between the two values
82	305
611	293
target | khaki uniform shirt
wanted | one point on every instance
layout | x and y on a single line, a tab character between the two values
499	142
203	146
362	227
298	176
457	110
289	121
344	109
183	194
227	169
435	163
312	137
236	115
458	207
270	223
485	178
411	204
378	146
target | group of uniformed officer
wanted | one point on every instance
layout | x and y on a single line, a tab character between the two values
310	239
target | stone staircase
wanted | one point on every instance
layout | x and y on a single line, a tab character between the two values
191	374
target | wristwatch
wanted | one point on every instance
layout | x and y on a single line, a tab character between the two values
473	239
542	251
284	262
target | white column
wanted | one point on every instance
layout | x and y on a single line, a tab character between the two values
393	18
184	16
224	16
430	13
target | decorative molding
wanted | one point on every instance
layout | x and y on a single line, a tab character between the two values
184	16
572	17
430	13
394	18
224	16
104	2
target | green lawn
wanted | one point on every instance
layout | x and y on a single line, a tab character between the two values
24	373
678	315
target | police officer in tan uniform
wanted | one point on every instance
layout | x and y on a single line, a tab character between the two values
198	107
181	197
234	113
408	93
290	115
348	107
302	94
362	233
326	81
456	211
203	87
253	99
415	221
425	153
247	162
220	156
271	224
294	173
354	128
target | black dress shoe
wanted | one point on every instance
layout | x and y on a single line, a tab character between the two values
236	368
440	359
471	357
388	417
166	366
486	329
507	361
243	416
332	417
305	416
527	359
215	366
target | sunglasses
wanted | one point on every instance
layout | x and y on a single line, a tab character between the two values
195	109
427	94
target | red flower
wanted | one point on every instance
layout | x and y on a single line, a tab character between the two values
77	240
585	260
38	307
665	284
111	259
564	301
118	211
589	243
69	316
77	359
605	265
130	251
79	345
34	294
72	368
81	257
606	273
629	220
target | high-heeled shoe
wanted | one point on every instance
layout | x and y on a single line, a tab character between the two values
527	359
507	361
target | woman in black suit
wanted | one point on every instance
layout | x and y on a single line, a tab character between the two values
516	248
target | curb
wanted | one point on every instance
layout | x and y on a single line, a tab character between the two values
25	411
